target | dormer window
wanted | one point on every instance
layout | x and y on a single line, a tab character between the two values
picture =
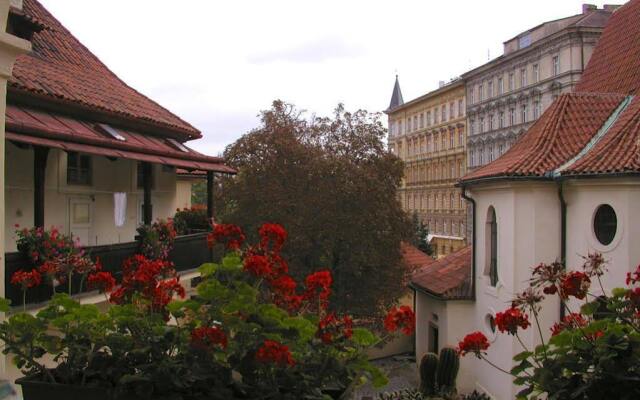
110	132
178	145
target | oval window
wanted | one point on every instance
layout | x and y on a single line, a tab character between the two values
605	224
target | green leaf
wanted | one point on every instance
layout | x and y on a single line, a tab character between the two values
518	369
232	261
364	337
5	304
305	328
522	356
590	308
619	292
208	269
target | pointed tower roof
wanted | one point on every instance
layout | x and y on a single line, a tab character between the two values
396	97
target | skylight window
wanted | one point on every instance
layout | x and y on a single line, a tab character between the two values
178	145
111	132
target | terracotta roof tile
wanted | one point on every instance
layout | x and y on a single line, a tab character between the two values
414	258
448	278
615	64
62	69
560	134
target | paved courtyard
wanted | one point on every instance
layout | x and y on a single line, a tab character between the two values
402	373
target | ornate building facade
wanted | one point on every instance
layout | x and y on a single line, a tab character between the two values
429	135
508	94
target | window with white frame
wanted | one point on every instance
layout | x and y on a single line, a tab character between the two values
428	118
444	113
536	73
490	122
460	137
79	169
473	158
490	89
452	138
500	86
523	77
452	110
500	149
435	116
511	81
460	108
472	125
536	109
490	152
555	65
524	113
512	116
481	125
421	120
501	119
480	91
481	156
472	96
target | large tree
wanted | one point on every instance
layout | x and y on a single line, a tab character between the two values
332	184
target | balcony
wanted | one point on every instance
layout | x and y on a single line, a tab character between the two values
189	252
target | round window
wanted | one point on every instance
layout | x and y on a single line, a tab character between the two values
605	224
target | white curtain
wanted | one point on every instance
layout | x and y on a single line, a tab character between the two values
120	208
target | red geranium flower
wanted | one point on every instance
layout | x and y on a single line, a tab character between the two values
402	318
228	234
283	285
475	343
274	352
318	284
511	319
258	265
575	284
26	279
272	237
103	281
206	338
331	328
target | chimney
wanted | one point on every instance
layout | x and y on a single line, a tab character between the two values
586	8
16	4
611	7
440	84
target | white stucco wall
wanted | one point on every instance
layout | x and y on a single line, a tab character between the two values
108	177
623	254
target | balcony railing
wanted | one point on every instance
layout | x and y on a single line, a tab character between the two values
189	252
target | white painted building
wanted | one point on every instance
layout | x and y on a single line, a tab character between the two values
569	186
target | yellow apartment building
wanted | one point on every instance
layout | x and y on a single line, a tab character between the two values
429	134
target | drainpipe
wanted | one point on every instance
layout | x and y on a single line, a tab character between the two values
473	241
563	236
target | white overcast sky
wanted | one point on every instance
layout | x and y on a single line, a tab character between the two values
218	63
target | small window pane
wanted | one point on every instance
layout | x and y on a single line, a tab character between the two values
605	224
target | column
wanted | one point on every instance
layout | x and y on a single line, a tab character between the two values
147	208
210	182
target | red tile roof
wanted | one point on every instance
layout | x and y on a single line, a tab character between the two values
61	69
447	278
415	258
560	133
614	66
37	127
594	131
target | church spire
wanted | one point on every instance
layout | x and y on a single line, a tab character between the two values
396	97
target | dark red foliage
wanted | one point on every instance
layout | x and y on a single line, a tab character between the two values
402	318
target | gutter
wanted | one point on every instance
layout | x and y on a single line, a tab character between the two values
473	241
563	238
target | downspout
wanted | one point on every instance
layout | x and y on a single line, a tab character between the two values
473	241
563	236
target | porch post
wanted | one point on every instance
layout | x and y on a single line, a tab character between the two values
40	155
146	183
210	210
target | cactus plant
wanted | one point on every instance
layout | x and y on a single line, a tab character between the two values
448	366
428	369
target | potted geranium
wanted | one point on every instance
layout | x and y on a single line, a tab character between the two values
249	331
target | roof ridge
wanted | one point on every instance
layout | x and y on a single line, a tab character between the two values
604	129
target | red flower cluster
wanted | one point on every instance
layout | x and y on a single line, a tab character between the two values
547	275
511	319
272	237
257	265
275	353
318	284
400	318
229	235
103	281
26	279
207	338
154	281
331	328
633	277
575	284
571	321
475	343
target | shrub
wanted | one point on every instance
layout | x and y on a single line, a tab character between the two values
156	240
190	220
